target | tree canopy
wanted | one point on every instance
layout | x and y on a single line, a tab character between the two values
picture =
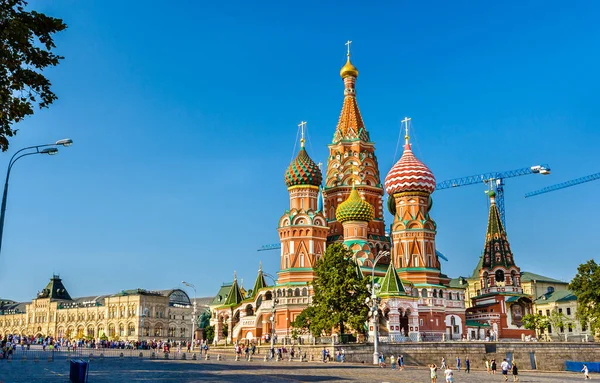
26	43
339	296
586	286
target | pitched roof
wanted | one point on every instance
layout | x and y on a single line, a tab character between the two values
55	290
391	285
529	277
235	295
221	295
475	274
458	283
497	250
260	282
556	296
350	125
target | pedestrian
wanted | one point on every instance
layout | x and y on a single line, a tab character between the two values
324	352
433	373
493	366
504	368
343	352
449	375
393	361
487	366
586	372
458	363
467	365
443	366
381	360
401	362
515	372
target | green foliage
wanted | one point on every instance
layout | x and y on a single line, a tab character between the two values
209	333
339	296
26	43
535	322
225	330
558	320
586	286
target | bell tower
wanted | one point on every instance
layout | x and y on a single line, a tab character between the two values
352	163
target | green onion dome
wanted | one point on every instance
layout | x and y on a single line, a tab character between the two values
303	171
354	209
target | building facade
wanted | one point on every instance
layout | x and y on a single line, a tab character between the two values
417	299
130	315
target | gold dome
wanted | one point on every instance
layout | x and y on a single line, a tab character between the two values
348	69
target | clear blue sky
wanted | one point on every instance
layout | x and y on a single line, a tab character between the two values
184	120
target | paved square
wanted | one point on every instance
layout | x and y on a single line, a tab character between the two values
178	371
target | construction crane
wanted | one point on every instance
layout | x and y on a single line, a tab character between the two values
562	185
496	181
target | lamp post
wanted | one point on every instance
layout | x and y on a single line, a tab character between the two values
193	312
275	300
374	304
49	149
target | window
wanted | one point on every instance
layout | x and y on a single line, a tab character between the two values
547	313
131	329
583	327
499	276
570	327
540	312
549	290
562	329
568	311
560	311
421	322
182	332
424	293
549	329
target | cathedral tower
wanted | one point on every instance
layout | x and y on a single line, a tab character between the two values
355	214
303	228
352	162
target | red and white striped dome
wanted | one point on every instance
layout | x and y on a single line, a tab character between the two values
409	174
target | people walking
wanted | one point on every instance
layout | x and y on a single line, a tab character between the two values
458	363
515	372
586	372
449	375
487	366
493	366
433	373
504	368
443	366
393	361
467	365
401	362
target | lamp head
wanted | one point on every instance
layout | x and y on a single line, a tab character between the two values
65	142
49	151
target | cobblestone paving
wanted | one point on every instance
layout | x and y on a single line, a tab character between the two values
172	371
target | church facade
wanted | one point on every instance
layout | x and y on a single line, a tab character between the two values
345	205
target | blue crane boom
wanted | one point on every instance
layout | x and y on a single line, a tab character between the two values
562	185
497	180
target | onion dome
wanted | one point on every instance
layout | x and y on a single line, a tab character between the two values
409	174
303	171
348	69
354	209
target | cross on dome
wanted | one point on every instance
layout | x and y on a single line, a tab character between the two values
302	126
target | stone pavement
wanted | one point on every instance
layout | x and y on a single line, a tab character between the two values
180	371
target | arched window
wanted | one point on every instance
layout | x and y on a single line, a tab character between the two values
441	294
249	310
111	330
550	289
304	292
499	276
297	292
121	330
131	329
434	293
513	277
268	296
486	280
424	293
258	301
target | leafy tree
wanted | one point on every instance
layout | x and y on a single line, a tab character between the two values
204	320
558	320
339	296
209	333
535	322
225	330
586	286
26	43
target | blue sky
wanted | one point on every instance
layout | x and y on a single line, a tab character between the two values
184	120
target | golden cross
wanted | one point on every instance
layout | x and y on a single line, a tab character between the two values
302	126
405	121
348	45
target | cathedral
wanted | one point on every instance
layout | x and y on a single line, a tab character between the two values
345	205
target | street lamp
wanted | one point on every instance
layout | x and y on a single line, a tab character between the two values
272	313
193	312
49	149
374	304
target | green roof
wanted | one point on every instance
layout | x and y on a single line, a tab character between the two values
458	283
428	285
530	277
221	296
556	296
260	282
235	295
391	285
472	323
475	274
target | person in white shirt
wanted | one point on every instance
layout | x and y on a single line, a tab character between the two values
449	375
504	367
586	372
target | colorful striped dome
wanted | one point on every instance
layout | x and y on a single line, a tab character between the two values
409	174
354	209
303	171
